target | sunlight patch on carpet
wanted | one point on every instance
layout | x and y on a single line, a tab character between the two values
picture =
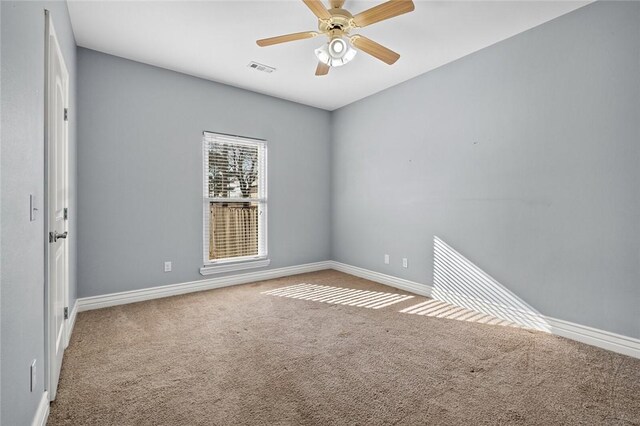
339	295
439	309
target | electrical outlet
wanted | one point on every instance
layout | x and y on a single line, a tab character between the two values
386	259
405	264
167	266
34	376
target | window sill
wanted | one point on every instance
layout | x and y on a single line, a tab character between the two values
230	267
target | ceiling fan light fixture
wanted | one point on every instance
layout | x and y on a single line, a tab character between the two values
335	53
337	24
337	47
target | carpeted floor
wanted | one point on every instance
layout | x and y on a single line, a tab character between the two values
236	356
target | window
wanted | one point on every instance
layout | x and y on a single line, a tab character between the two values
235	202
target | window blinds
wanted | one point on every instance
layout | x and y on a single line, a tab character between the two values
234	198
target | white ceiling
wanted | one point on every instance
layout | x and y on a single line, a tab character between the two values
215	40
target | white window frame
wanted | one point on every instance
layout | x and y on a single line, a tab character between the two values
235	263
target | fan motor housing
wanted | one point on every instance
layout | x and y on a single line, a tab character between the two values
340	19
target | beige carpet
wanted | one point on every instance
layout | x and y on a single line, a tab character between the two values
236	356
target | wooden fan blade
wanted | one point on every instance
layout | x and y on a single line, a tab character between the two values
323	69
383	11
374	49
286	38
318	8
336	4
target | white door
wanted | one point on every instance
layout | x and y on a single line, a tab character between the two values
56	147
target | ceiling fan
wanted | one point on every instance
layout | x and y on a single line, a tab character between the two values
336	23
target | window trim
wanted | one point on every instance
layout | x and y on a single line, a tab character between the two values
235	263
233	266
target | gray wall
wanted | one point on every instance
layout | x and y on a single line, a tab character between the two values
22	173
524	157
140	172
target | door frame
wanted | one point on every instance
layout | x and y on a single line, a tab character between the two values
49	330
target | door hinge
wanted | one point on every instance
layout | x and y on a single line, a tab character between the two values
66	213
66	313
66	114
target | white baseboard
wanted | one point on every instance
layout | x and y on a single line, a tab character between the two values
40	419
113	299
595	337
400	283
592	336
71	323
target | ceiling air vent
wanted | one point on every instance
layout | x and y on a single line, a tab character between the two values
260	67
